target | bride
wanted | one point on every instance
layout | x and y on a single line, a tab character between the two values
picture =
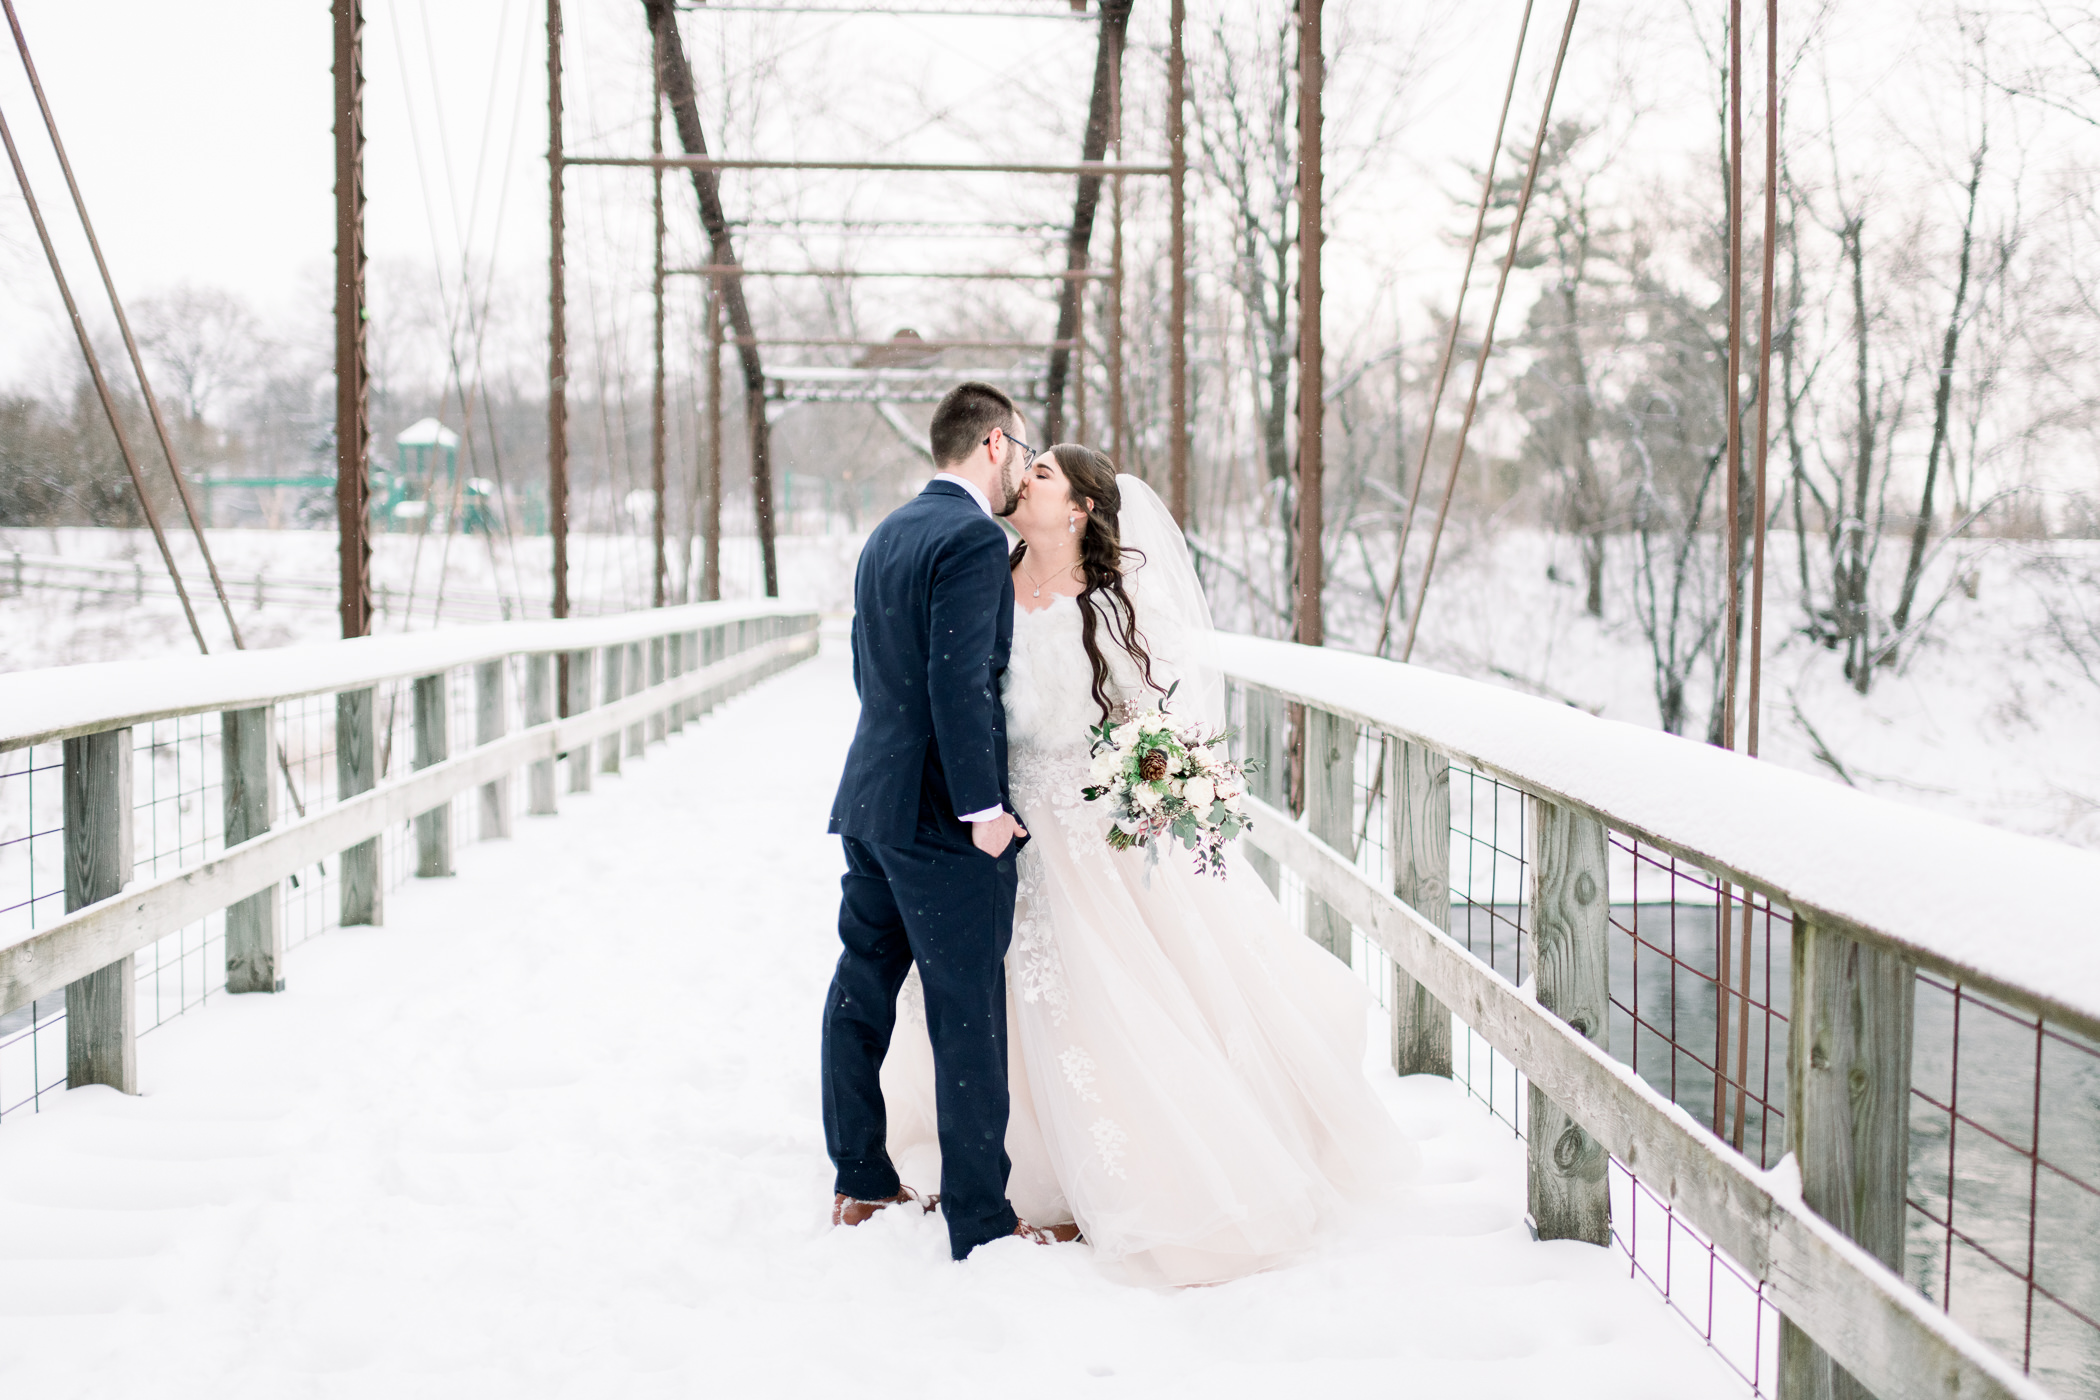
1186	1071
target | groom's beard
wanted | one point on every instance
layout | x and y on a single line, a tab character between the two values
1010	490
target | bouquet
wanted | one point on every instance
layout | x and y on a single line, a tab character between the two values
1168	777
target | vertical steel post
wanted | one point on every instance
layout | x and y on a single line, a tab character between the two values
1310	393
1177	254
353	424
656	416
1118	439
557	328
1764	371
1732	642
711	509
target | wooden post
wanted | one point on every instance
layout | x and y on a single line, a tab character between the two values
491	722
1570	957
101	1047
1848	1081
675	654
658	723
356	769
1330	813
434	827
695	657
254	938
636	679
539	708
1418	846
1263	744
610	690
579	699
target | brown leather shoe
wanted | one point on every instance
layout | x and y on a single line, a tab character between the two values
1048	1234
846	1210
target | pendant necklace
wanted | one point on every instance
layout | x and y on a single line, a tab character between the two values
1039	586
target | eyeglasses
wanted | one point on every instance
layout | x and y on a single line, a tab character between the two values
1027	453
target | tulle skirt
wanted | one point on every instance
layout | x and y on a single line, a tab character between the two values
1186	1070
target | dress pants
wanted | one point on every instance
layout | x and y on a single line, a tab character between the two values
947	906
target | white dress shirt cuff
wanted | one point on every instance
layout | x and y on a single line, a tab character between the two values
986	815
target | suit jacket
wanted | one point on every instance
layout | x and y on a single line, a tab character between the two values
933	621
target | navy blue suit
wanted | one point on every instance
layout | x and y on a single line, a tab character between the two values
933	608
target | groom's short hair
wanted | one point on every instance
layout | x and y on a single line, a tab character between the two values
965	418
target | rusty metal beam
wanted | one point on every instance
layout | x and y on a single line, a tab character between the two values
1177	246
732	270
657	427
353	376
1090	168
675	73
1311	401
557	345
1115	18
915	344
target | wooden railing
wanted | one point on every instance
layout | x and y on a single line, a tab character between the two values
1879	894
655	670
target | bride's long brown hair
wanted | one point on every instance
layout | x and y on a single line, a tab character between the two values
1091	479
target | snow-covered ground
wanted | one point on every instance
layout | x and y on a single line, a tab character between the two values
553	1131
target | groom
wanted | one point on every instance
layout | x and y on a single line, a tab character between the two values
929	832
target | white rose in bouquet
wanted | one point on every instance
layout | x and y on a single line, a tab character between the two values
1147	796
1200	794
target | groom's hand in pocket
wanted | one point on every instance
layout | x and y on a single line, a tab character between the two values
995	834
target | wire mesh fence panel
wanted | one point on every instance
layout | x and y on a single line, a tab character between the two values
309	900
1715	1045
32	895
178	819
2003	1207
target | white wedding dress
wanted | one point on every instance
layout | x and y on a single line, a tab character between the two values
1186	1070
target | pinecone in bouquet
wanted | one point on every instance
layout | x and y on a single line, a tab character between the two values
1166	777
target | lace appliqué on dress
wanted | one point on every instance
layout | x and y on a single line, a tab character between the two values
1079	1072
1109	1138
1052	779
1037	969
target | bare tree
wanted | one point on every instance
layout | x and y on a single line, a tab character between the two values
205	343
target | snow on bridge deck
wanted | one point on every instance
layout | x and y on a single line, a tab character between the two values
553	1131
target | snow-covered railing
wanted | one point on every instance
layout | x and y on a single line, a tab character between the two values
474	704
1876	905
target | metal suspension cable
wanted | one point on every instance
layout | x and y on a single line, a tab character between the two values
1443	367
1487	340
477	325
109	285
109	405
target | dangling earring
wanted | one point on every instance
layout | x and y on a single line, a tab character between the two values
1072	525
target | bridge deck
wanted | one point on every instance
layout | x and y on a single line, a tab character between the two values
553	1131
